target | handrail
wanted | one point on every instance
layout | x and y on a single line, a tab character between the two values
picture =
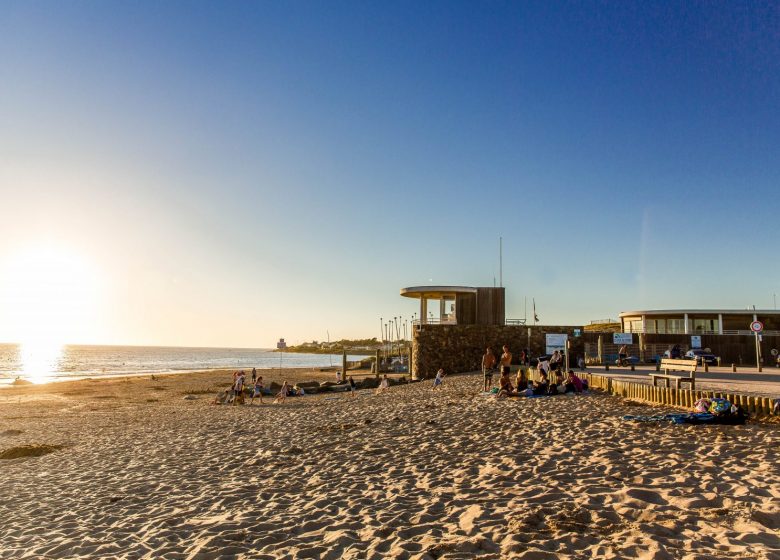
434	321
733	332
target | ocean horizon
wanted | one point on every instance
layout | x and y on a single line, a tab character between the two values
74	361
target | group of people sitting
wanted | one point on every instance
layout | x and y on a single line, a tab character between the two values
548	384
544	386
239	390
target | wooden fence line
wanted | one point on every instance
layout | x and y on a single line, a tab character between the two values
683	398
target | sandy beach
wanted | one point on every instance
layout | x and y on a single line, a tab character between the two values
133	470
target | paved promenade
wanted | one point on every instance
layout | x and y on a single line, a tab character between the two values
747	380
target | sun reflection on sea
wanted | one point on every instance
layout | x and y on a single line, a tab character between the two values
39	360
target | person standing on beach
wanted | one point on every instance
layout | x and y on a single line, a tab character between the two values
506	359
257	390
352	385
254	375
488	365
238	388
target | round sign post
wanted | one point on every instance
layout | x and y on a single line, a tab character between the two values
757	327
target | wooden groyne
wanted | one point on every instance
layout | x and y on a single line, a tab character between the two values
683	398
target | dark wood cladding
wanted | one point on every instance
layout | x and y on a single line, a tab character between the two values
490	306
466	309
486	307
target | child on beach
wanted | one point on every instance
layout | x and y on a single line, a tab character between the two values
384	385
529	390
257	390
439	379
352	385
282	395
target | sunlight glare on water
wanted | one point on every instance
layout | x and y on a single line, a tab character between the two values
39	360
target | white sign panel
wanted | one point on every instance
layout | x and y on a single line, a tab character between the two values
622	338
281	345
695	341
556	342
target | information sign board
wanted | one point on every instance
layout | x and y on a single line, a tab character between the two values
622	338
555	342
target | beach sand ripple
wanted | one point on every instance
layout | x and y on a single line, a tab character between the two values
408	474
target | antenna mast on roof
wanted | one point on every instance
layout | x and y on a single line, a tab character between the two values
501	261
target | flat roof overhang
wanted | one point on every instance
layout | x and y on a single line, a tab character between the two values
436	292
654	312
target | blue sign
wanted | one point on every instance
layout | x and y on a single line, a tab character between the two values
622	338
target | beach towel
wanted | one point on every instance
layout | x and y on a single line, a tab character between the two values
692	418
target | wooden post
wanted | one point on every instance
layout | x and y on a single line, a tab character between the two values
377	363
733	368
601	350
344	365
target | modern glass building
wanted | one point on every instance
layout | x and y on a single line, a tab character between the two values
699	321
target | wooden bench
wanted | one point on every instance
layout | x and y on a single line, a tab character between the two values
676	365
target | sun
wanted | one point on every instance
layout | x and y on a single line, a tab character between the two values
48	296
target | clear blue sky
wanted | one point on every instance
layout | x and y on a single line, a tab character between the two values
237	172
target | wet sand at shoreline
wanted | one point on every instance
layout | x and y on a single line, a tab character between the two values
410	473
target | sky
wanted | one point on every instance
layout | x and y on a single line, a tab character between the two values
226	174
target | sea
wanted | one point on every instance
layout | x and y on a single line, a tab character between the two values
43	363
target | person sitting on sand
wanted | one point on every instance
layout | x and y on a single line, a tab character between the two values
543	385
282	394
573	383
529	390
257	390
439	379
505	388
384	385
556	386
520	380
222	397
